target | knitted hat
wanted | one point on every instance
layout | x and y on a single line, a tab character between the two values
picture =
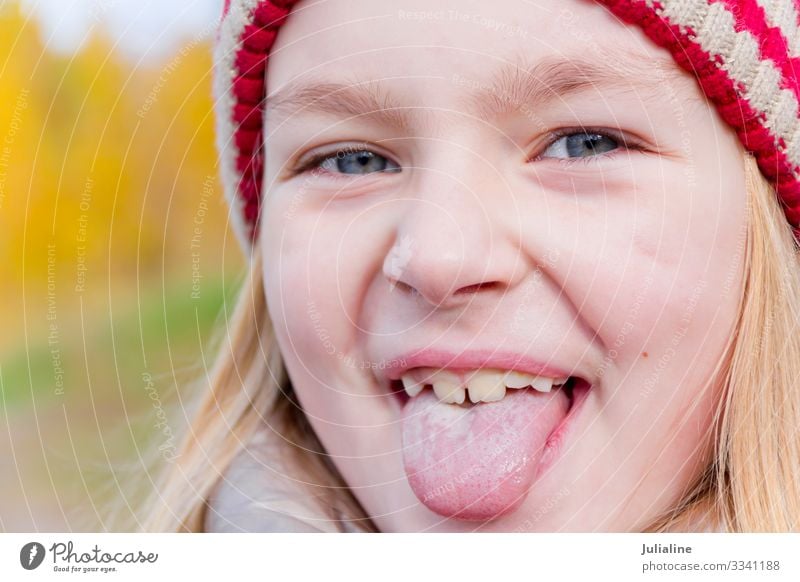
742	52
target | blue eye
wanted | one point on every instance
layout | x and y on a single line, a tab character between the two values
355	163
580	144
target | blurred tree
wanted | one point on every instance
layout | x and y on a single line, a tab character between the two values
111	218
104	166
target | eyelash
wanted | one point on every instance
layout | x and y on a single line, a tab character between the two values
622	141
315	160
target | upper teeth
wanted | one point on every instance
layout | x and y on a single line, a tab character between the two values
447	388
486	385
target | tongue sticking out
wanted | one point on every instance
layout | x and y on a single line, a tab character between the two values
477	462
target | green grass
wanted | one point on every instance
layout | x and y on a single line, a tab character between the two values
121	343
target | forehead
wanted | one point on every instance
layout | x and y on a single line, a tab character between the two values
352	40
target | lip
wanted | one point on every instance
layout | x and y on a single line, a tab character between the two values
394	368
561	433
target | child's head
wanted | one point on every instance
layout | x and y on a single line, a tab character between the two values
465	195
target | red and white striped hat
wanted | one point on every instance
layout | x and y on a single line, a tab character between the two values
744	54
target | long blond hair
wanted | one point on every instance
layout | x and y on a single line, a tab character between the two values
753	483
247	390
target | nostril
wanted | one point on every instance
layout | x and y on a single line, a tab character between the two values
478	287
398	285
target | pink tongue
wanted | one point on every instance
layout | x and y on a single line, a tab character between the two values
477	462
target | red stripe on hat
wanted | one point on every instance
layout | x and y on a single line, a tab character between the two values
247	116
257	39
718	88
249	91
268	15
251	64
749	16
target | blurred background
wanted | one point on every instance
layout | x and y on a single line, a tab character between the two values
118	265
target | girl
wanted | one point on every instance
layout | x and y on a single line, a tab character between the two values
513	267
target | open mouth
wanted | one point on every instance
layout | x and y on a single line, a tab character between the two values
475	441
467	388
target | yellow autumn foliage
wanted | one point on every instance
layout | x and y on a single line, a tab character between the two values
106	167
116	264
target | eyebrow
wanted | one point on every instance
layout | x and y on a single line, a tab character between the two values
341	100
514	87
517	86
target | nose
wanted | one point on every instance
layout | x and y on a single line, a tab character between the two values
450	248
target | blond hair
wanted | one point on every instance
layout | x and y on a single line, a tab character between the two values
752	483
247	390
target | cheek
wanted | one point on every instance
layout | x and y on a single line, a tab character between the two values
299	282
664	298
694	246
313	273
671	256
319	263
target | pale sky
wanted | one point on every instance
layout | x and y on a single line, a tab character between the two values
144	28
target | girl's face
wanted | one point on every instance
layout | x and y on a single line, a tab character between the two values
459	190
